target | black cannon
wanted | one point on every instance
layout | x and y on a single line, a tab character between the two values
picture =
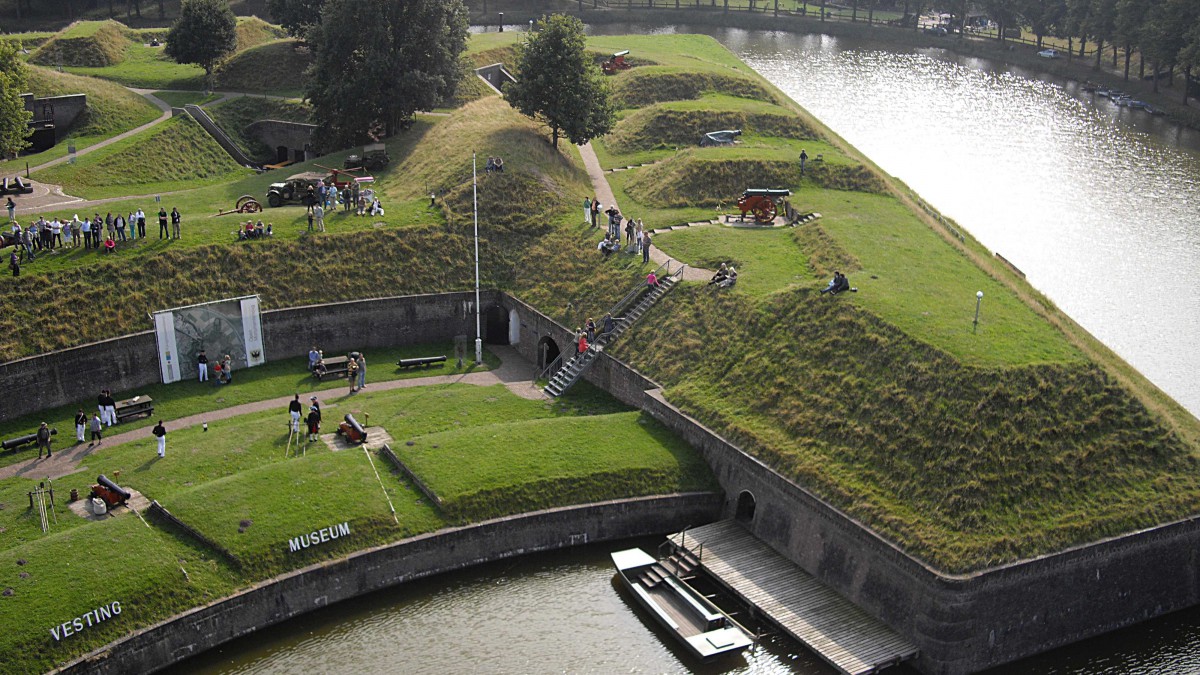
421	361
110	492
352	430
762	203
23	440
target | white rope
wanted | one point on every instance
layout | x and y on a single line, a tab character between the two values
381	487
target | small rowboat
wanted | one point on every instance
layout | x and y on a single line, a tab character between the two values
699	625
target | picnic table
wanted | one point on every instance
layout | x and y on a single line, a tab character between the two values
133	407
333	366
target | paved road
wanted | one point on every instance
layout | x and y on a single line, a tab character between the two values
514	372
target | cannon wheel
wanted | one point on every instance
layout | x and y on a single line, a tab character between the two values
251	206
242	201
764	211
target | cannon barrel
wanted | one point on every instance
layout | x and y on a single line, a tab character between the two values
763	192
103	480
23	440
358	428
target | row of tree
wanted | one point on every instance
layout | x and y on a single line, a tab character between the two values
1166	33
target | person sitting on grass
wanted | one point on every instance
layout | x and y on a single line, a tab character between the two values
722	273
608	246
730	278
837	284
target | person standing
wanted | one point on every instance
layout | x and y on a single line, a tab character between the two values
176	219
160	432
56	234
587	210
227	369
163	232
319	213
362	370
119	221
43	440
14	263
87	232
352	374
97	427
316	404
80	425
803	161
645	247
110	407
202	365
102	406
141	223
314	422
294	410
595	212
12	210
310	223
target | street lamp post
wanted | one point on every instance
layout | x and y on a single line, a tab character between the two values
978	301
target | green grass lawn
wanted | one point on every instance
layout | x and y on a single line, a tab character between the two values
147	68
175	155
274	379
556	462
767	260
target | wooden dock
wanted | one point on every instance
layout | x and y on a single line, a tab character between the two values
836	629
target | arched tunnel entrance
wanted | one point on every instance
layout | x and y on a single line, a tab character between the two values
745	508
496	320
547	352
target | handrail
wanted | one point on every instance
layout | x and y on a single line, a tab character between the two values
637	289
558	359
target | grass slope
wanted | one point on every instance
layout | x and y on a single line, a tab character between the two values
275	67
177	154
962	466
86	44
236	114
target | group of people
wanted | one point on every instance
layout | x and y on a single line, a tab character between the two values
637	237
494	164
356	367
223	368
725	277
325	198
253	230
587	337
101	233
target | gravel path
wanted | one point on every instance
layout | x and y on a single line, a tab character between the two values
514	372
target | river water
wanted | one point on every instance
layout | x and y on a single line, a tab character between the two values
1096	204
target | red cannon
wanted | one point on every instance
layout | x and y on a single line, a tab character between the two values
110	492
762	203
615	63
352	430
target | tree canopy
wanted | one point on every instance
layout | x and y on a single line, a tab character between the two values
14	119
379	61
296	16
204	33
559	84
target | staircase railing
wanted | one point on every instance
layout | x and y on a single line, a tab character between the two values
550	369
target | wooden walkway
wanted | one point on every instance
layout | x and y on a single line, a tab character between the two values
835	628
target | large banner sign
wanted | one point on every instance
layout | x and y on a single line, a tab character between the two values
226	327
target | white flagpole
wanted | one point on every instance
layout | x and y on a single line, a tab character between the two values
475	190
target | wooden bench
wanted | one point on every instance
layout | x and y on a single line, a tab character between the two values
134	407
334	366
425	361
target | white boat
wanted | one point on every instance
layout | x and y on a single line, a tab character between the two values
699	624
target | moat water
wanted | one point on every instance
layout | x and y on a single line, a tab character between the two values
1096	204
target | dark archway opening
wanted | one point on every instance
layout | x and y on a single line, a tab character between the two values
281	154
496	319
547	353
745	507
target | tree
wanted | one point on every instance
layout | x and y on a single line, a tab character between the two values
204	33
558	83
379	61
296	16
14	119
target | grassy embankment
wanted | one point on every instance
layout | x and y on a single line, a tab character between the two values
235	486
111	109
175	155
967	447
